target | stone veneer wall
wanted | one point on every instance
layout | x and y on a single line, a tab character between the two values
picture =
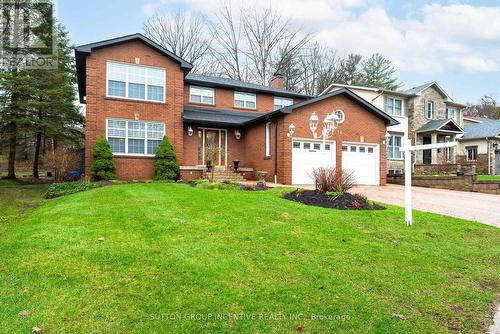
450	182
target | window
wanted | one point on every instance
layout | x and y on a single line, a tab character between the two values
134	137
362	149
268	139
471	153
344	148
135	82
394	146
453	114
370	149
394	106
307	146
296	144
395	171
317	146
280	102
201	95
244	100
327	147
340	116
430	110
353	148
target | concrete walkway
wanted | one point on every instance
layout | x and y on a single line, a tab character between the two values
483	208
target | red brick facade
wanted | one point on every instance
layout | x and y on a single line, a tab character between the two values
360	125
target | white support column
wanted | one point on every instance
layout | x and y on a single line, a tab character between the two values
434	137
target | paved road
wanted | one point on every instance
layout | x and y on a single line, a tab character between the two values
484	208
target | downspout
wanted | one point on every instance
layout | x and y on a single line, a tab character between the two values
275	153
488	152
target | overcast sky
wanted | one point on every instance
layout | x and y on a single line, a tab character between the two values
456	43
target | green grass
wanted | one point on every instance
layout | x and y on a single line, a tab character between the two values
172	250
488	177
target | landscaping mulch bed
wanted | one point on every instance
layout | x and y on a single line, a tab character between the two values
345	201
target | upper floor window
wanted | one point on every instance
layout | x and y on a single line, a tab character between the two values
394	106
245	100
453	114
280	102
135	82
134	137
394	147
429	110
201	95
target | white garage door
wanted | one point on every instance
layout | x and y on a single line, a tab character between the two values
363	160
307	155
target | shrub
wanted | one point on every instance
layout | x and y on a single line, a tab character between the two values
66	188
327	179
103	166
62	160
165	166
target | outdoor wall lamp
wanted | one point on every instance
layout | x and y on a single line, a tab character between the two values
190	131
291	130
495	145
237	134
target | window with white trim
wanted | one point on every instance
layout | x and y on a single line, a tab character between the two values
471	153
135	82
394	106
268	140
453	114
281	102
134	137
201	95
394	147
429	109
245	100
395	171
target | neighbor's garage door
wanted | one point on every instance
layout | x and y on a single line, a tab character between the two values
363	160
307	155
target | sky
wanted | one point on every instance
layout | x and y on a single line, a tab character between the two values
456	43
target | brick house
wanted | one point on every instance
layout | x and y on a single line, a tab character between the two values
426	114
136	92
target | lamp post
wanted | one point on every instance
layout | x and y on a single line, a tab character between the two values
330	123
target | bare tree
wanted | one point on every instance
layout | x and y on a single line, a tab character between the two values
180	33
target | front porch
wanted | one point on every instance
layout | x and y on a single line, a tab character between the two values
433	132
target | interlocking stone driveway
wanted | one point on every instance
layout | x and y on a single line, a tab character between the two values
484	208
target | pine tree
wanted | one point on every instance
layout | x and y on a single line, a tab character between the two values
349	69
377	71
166	166
103	166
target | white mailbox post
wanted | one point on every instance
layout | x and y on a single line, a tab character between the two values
407	149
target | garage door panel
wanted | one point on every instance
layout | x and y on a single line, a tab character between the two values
307	155
363	161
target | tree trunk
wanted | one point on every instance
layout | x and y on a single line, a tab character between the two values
11	173
36	158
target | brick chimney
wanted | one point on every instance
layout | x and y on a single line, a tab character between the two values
277	81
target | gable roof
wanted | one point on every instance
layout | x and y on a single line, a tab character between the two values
417	90
389	121
482	130
82	51
439	125
211	81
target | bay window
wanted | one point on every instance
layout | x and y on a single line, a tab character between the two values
134	137
281	102
135	82
244	100
201	95
394	147
394	106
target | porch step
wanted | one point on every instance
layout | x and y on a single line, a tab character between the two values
224	176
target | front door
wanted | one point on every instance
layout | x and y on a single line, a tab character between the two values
427	154
214	146
497	162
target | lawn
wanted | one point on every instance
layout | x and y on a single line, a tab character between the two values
488	177
179	259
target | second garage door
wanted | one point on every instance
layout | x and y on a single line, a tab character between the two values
363	160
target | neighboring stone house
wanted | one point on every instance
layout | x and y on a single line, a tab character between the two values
136	92
481	144
426	114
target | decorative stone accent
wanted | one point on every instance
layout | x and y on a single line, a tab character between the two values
451	182
262	178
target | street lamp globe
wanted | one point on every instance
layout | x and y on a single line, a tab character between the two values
313	122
